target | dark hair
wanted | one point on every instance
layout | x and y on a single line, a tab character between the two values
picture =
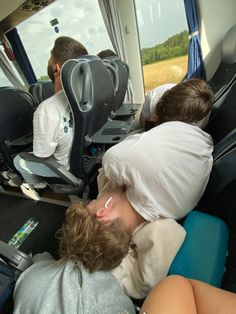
106	53
189	101
97	245
66	48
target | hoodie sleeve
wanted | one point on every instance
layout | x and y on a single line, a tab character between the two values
148	261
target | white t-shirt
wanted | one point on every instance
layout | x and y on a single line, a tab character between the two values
165	170
152	98
53	129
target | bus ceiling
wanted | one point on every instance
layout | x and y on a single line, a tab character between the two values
13	13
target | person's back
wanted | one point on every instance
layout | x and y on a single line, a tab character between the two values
67	288
150	101
53	129
165	170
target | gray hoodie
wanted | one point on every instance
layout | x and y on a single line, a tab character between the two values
47	288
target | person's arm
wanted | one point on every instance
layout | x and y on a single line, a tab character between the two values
44	139
176	294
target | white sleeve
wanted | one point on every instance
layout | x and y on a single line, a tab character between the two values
145	114
156	243
104	184
116	171
45	134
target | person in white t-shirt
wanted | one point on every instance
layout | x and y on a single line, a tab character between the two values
146	182
148	117
52	122
150	101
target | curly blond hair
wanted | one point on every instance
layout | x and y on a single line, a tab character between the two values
97	245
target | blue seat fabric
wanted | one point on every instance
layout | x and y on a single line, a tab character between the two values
203	253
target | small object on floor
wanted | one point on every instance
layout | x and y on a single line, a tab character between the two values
40	185
23	232
16	181
7	174
29	191
11	178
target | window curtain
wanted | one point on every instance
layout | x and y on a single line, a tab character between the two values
195	62
111	16
8	71
21	56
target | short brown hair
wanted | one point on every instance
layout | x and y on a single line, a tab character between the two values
97	245
106	53
66	48
189	101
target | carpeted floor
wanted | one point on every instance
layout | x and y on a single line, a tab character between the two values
14	211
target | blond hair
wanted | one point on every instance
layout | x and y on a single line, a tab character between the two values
97	245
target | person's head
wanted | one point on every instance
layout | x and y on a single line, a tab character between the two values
106	53
189	101
100	245
64	48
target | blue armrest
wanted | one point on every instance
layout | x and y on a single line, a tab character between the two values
203	253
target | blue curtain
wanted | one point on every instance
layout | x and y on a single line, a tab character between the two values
195	62
21	56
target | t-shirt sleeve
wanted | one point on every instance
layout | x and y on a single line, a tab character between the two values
116	171
44	142
145	114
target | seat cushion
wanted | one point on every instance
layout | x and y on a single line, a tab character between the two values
203	253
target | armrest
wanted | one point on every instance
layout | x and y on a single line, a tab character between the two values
20	141
127	109
51	162
13	256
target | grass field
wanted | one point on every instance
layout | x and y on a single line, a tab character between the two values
167	71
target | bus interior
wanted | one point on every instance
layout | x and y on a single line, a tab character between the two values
155	42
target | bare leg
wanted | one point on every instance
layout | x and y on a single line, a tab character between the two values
179	295
211	300
172	295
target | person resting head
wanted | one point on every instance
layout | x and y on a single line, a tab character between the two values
98	244
146	182
189	101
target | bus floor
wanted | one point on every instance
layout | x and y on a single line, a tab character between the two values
14	213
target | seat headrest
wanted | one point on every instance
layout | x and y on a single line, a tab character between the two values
228	49
120	75
16	113
89	89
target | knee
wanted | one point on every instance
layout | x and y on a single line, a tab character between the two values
177	281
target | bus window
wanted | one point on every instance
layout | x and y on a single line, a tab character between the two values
80	20
4	81
164	41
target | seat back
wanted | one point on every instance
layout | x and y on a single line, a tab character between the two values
89	89
223	118
16	123
223	84
219	193
225	74
223	174
202	256
42	90
119	72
